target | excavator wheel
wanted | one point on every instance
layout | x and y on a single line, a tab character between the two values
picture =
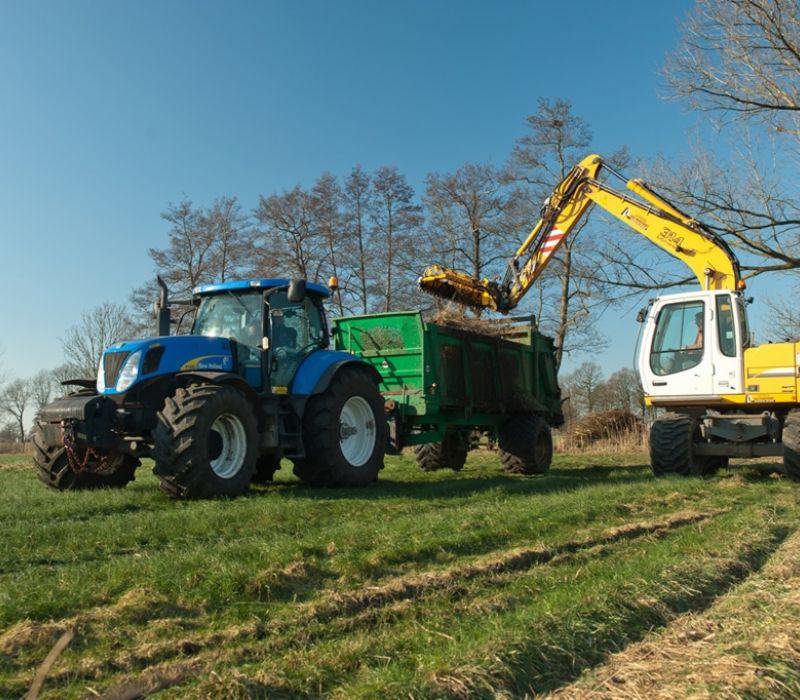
671	440
791	445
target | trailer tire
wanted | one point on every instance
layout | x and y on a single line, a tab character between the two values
671	440
791	444
206	442
450	453
54	470
526	445
344	432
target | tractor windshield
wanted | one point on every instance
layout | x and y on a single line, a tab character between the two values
230	315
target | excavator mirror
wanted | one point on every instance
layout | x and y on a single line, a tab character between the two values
642	315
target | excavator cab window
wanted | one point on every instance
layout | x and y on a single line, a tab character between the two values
726	326
678	342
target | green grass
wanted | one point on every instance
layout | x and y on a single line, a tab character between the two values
424	585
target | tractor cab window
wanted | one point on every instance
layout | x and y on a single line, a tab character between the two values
231	315
679	338
296	330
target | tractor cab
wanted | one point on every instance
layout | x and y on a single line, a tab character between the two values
274	326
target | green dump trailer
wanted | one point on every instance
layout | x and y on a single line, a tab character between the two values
445	387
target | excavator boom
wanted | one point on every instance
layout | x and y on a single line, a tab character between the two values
706	254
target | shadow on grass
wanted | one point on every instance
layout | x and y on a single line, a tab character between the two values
625	622
461	486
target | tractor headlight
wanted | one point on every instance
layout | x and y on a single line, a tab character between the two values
101	377
129	371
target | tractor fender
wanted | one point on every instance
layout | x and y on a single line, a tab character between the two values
319	368
225	378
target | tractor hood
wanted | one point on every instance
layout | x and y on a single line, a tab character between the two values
128	363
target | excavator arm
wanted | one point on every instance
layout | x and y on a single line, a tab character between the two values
708	256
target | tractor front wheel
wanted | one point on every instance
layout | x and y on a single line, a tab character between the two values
206	442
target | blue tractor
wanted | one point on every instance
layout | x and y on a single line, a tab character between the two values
254	382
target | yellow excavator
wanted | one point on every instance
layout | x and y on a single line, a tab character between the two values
724	397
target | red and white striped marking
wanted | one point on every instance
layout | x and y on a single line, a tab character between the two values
550	243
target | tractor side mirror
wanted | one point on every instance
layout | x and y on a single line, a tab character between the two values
297	291
641	316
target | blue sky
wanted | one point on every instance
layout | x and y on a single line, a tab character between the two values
111	110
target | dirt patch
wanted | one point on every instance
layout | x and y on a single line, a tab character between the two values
272	584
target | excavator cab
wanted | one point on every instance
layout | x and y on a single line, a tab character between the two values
693	345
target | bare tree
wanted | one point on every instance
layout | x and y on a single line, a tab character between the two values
556	140
623	391
397	219
288	241
84	343
42	387
584	388
205	245
326	206
741	59
739	62
14	400
358	200
63	373
468	208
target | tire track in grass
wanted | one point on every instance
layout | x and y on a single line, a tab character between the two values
540	658
344	612
747	644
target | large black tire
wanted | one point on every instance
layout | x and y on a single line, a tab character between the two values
206	442
526	445
671	448
344	432
791	444
450	453
54	469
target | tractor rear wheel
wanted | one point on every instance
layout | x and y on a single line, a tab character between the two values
526	445
450	453
344	431
55	469
206	442
791	444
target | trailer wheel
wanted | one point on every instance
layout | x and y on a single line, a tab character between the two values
205	442
55	470
526	445
450	453
791	444
344	432
671	440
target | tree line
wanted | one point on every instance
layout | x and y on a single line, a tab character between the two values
737	64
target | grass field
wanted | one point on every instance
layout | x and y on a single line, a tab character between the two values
595	581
